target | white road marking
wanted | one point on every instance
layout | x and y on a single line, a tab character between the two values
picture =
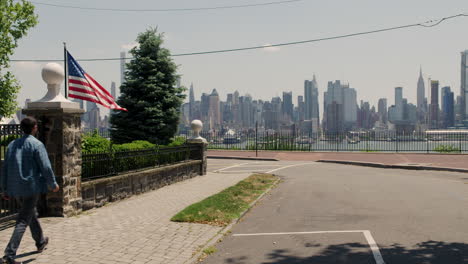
367	234
300	233
233	166
285	167
373	246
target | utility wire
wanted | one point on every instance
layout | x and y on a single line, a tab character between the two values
430	23
168	9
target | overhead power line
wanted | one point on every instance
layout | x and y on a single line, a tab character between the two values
166	9
430	23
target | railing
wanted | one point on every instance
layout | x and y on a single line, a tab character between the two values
104	164
453	142
8	209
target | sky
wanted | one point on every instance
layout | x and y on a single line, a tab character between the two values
372	64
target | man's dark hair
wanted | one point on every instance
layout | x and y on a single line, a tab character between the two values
27	124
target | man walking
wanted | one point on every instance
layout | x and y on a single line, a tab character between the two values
26	174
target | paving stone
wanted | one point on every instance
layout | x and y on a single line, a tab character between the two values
135	230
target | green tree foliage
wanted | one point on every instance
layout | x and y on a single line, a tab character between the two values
16	17
150	94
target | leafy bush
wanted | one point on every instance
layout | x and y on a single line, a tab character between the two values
177	141
134	145
447	149
93	142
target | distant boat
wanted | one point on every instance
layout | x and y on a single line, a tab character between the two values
231	140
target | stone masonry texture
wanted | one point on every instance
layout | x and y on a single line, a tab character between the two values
60	131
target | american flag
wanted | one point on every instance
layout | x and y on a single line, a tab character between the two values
84	87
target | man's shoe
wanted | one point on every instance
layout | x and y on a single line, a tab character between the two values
10	261
43	246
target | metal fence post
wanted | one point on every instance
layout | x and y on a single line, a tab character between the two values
256	138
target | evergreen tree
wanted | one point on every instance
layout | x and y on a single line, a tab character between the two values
149	93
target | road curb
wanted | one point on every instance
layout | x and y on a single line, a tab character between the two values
392	166
241	158
222	232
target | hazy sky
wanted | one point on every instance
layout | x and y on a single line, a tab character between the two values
372	64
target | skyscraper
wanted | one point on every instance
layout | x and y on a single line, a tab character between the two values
382	110
434	106
448	107
464	86
214	114
122	67
191	103
349	107
421	97
287	105
398	103
421	91
333	114
311	99
113	90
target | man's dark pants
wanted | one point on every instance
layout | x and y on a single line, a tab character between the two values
26	217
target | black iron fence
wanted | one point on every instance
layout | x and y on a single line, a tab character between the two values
104	164
423	142
8	133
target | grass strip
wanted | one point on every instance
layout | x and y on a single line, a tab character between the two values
220	209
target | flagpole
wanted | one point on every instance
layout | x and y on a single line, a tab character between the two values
65	63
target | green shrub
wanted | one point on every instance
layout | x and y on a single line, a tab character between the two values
134	145
447	149
177	141
93	142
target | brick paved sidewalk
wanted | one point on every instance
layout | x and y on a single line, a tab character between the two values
436	160
136	230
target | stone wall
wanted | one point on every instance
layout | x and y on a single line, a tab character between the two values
96	193
60	131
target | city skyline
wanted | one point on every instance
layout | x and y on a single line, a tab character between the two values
373	64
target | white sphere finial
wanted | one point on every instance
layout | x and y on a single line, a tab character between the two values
53	74
196	126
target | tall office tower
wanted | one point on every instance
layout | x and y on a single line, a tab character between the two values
301	108
434	106
448	107
204	109
287	106
349	107
122	67
464	86
236	98
191	103
230	98
113	90
421	92
333	115
399	103
311	99
382	110
276	106
246	111
214	115
94	117
365	116
421	98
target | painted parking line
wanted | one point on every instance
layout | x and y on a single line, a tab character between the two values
233	166
289	166
367	234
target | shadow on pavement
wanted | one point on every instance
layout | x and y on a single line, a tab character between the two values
429	252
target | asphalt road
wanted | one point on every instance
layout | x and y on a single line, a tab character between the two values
327	213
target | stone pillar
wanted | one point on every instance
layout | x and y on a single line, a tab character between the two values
197	140
60	131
